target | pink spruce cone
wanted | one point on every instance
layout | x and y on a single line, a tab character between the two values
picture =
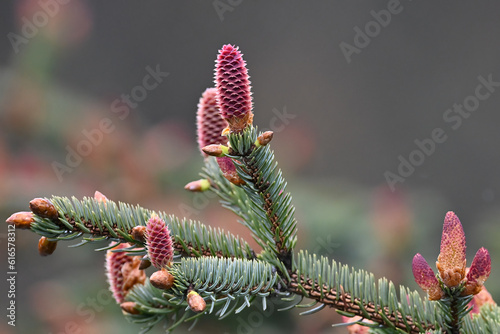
478	273
425	278
209	121
233	88
159	242
121	282
451	260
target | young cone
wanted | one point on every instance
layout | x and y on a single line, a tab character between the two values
451	260
233	89
209	122
159	242
425	278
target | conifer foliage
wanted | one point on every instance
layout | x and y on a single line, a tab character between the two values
198	270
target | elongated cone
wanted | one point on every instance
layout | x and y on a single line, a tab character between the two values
228	169
159	242
44	208
209	122
162	279
122	272
478	273
233	88
425	278
451	260
21	220
46	247
196	302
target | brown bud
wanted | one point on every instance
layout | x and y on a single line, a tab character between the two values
100	197
44	208
198	185
132	275
46	246
265	138
215	150
138	233
145	264
21	220
196	302
162	279
129	307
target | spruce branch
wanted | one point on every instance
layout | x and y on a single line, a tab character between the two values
95	220
265	187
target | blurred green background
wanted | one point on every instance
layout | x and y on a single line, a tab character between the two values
339	127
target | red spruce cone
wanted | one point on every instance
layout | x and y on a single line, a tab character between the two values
209	122
233	88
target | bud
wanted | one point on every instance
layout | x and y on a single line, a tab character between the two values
21	220
100	197
264	138
356	328
198	185
215	150
233	89
196	302
145	264
478	273
451	260
425	278
159	242
138	233
228	169
46	247
209	122
129	307
162	279
44	208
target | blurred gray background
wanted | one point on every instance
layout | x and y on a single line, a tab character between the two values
341	123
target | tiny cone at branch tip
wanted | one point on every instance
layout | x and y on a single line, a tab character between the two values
159	242
478	273
99	196
198	185
264	138
46	246
229	171
129	307
44	208
451	262
425	278
215	150
162	279
234	97
21	220
139	233
209	122
196	302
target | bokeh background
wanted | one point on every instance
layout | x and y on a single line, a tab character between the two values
339	127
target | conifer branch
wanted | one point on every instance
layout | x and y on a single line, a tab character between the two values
95	220
265	187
